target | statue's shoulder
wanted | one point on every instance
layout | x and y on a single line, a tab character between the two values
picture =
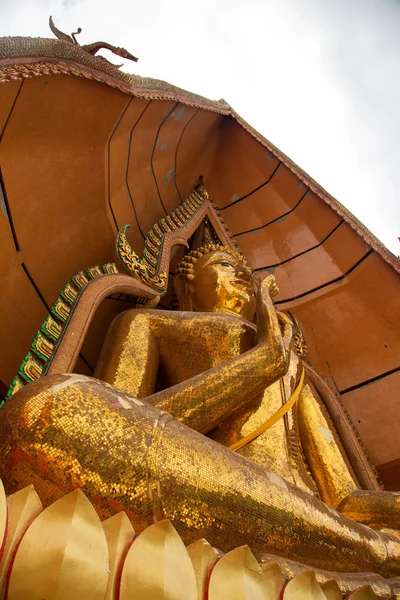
150	316
186	318
152	313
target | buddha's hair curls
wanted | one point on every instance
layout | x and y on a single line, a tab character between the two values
186	265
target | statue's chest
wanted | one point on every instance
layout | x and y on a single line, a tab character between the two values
199	344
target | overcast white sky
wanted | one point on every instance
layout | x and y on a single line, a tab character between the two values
319	78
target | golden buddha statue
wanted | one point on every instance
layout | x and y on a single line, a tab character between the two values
137	436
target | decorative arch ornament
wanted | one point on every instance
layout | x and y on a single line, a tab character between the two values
173	230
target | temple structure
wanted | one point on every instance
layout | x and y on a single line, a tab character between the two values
87	150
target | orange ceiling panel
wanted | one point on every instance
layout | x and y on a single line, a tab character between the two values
282	192
196	150
8	96
21	310
300	231
374	410
240	166
353	330
53	168
164	155
117	151
140	176
317	267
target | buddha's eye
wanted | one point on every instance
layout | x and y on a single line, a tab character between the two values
226	264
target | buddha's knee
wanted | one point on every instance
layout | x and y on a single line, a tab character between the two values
69	431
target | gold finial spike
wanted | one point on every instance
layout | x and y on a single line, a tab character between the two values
363	593
67	541
303	587
175	219
22	508
203	557
119	534
180	216
274	577
238	575
165	570
331	590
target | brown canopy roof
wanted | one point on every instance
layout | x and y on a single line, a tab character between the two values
86	148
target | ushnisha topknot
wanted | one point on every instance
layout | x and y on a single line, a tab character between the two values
186	265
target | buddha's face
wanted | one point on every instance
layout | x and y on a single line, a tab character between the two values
222	283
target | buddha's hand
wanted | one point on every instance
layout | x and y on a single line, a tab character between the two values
274	329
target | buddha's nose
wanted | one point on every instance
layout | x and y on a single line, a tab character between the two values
243	272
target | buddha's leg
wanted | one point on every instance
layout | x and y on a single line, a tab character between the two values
68	431
328	465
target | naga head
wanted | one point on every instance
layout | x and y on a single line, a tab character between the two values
214	278
125	54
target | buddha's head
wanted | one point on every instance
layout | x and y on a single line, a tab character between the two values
215	279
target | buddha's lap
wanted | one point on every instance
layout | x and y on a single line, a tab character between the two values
65	431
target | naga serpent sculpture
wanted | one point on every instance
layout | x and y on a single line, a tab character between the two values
94	47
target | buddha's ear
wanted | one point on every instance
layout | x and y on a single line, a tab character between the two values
183	292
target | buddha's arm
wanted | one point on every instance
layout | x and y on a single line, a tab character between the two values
205	400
